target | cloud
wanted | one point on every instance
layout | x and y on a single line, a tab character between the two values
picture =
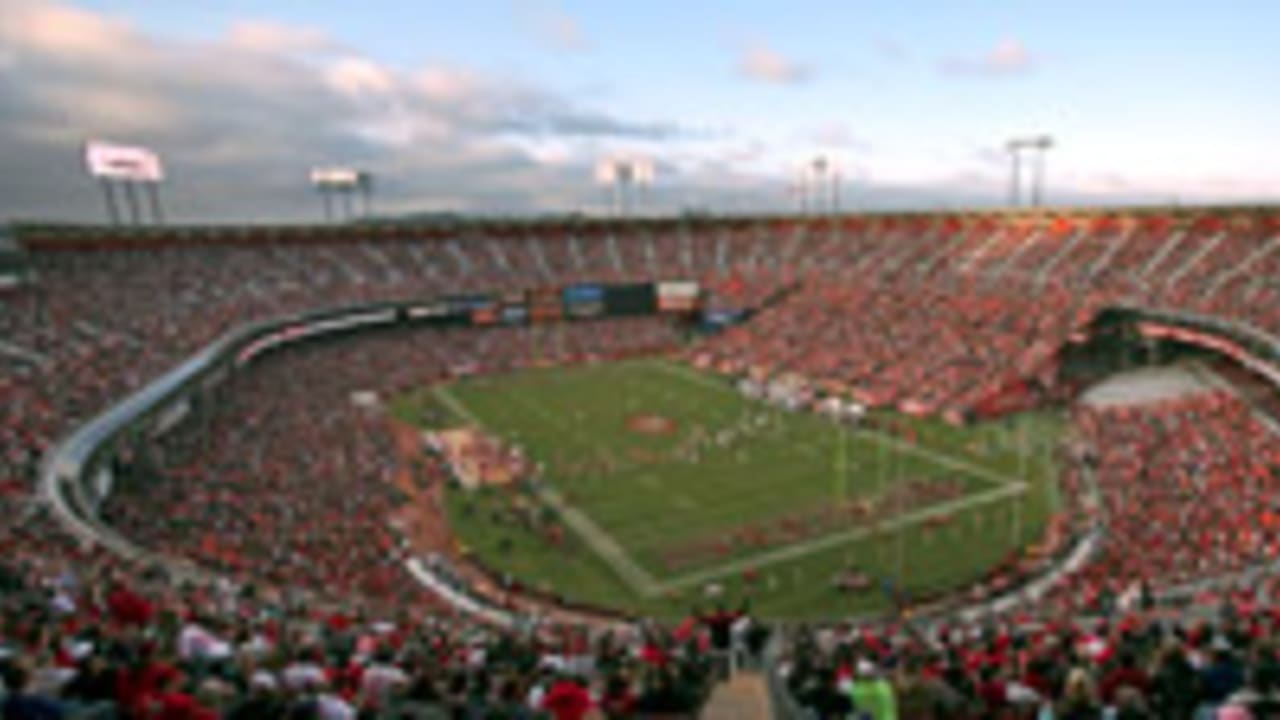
1008	57
991	156
239	120
838	134
357	77
446	84
759	63
551	26
272	37
61	31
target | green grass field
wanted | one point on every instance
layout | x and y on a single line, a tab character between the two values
650	516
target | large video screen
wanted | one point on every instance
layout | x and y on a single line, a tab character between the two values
584	301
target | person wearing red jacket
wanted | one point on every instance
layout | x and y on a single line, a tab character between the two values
567	700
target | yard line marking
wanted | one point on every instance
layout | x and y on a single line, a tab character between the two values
445	396
940	458
683	372
608	549
644	584
600	541
799	550
912	448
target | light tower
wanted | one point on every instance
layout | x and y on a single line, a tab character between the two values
341	184
619	176
1039	144
819	185
1014	148
129	168
819	166
364	181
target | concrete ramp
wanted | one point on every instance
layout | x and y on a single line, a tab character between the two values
745	697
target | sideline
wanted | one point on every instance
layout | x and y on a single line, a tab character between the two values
603	544
949	461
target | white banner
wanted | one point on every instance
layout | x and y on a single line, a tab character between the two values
684	290
122	162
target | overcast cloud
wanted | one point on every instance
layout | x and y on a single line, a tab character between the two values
241	114
240	120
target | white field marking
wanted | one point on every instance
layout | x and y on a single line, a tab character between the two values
799	550
942	458
644	584
603	544
911	448
443	393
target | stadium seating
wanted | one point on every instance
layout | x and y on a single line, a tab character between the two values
284	488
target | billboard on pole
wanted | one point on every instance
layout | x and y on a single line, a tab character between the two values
122	162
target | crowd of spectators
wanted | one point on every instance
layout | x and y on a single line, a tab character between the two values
1131	666
1192	481
284	484
928	349
1186	491
90	638
283	488
288	478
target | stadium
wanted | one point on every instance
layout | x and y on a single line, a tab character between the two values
650	413
633	459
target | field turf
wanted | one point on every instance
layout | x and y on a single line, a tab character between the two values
645	511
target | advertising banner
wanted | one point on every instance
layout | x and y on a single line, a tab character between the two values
584	301
545	304
487	315
515	314
677	296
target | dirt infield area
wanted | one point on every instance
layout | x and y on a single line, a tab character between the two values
650	424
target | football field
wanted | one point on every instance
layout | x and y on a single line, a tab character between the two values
666	480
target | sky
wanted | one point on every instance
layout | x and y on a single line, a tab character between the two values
509	106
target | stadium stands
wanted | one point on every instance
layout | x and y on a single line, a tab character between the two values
284	488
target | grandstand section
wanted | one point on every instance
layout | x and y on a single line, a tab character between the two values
226	406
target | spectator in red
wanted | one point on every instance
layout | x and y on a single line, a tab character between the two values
567	699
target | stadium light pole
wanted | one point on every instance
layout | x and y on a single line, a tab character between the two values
153	194
643	175
343	182
132	168
327	202
819	165
348	203
365	183
619	176
606	176
132	199
113	210
1014	148
1041	145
